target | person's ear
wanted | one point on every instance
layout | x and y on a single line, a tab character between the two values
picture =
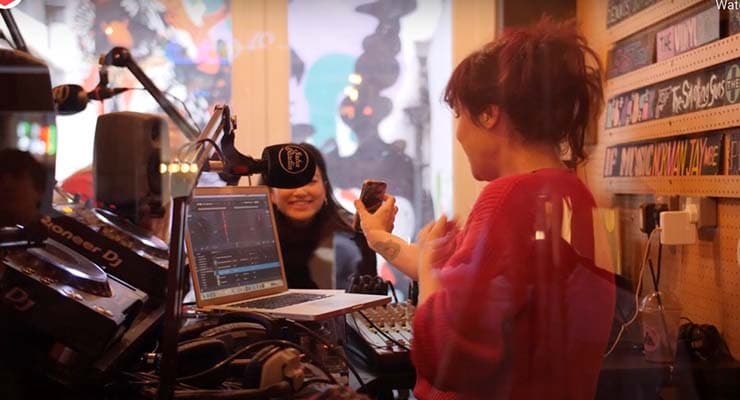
490	117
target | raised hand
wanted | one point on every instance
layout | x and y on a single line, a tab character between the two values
383	217
437	243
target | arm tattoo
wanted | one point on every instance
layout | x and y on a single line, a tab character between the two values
388	249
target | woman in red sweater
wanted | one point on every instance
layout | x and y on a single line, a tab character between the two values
511	305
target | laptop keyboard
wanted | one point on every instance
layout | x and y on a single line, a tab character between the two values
283	300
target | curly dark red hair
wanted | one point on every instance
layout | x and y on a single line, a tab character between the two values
544	77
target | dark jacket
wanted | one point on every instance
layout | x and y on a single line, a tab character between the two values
324	254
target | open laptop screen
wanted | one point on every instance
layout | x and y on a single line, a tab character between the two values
232	244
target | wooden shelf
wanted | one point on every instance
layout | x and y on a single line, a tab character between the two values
706	272
649	16
710	54
709	186
696	122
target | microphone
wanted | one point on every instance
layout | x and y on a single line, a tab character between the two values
285	166
71	99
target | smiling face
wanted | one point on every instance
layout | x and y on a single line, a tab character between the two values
302	204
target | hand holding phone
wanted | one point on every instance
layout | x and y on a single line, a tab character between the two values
371	195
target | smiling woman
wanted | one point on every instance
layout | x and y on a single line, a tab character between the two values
302	204
320	249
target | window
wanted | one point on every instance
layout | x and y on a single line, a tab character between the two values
366	84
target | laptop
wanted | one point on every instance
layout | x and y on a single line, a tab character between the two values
235	259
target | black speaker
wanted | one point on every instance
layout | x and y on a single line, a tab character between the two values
26	83
27	124
127	153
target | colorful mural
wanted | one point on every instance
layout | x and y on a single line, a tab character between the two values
184	46
189	44
364	100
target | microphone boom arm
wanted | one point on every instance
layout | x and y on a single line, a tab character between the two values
121	57
15	33
182	184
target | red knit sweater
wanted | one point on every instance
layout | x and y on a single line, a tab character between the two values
508	321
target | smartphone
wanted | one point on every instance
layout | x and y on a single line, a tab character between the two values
371	195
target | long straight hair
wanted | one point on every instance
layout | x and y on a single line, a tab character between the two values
335	216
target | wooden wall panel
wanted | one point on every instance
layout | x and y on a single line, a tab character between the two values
473	24
695	122
704	276
260	73
704	186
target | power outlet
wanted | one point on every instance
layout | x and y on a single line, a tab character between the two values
650	216
698	214
703	211
677	228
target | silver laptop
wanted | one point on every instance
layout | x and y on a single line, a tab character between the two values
235	259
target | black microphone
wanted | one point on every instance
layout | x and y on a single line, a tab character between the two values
285	166
71	99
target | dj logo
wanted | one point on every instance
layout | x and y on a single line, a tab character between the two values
293	159
18	299
6	4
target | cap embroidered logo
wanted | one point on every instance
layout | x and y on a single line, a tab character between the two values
293	159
